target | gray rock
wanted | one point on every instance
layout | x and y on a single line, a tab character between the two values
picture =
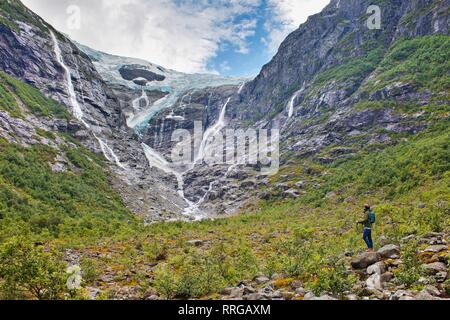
196	243
364	260
390	251
441	276
408	238
300	184
377	268
402	295
300	291
374	282
237	293
254	297
321	298
432	290
386	277
291	193
436	248
434	268
261	280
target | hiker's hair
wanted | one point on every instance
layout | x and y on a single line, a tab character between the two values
367	206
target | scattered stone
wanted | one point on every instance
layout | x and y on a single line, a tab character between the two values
390	251
237	293
300	291
196	243
408	238
434	268
254	297
296	284
432	290
377	268
300	184
386	277
282	186
441	276
321	298
291	193
436	248
424	295
374	283
261	280
364	260
401	295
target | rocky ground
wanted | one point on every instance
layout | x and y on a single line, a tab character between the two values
376	273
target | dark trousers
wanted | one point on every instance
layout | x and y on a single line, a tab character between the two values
367	236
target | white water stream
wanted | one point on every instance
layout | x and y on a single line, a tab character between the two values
157	160
76	108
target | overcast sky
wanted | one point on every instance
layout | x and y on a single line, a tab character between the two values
230	37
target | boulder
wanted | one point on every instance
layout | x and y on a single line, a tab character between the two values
237	293
196	243
364	260
254	297
402	295
321	298
291	193
434	268
441	276
374	283
377	268
436	248
261	280
300	184
390	251
386	277
432	290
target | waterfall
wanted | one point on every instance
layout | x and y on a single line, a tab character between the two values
291	104
212	132
292	100
109	153
155	159
77	110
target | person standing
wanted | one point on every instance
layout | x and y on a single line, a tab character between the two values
367	222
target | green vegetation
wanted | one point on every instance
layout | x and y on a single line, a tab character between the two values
76	203
13	10
355	70
423	62
13	90
28	272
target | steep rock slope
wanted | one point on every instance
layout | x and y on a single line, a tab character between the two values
28	51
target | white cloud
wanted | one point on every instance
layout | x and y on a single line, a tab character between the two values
286	16
182	35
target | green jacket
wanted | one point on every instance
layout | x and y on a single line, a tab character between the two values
366	220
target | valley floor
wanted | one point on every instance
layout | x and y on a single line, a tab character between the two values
282	249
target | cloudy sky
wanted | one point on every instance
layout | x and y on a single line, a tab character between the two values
230	37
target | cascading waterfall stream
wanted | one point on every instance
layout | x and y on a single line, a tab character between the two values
157	160
77	110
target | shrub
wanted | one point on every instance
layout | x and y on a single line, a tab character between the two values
27	271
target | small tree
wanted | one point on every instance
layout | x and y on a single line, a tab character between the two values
28	272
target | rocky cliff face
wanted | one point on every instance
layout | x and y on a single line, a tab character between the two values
320	90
